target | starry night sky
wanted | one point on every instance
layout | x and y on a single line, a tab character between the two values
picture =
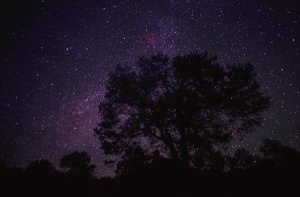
55	57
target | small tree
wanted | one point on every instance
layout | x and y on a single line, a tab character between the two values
277	155
41	169
78	164
178	107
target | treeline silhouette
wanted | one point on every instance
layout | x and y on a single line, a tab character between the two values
163	127
275	173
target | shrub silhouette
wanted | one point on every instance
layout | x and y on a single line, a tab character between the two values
78	164
41	169
243	160
155	175
276	155
207	158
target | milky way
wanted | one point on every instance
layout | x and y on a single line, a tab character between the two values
55	57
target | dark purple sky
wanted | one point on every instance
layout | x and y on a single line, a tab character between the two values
55	57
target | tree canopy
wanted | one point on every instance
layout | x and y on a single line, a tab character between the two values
182	108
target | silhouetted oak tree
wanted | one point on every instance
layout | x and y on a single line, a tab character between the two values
179	107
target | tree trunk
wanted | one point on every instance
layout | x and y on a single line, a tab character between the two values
185	160
167	139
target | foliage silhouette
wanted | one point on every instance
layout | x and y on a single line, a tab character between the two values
154	175
185	108
78	164
243	159
134	158
279	156
41	169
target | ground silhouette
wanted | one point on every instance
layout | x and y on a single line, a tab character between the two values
275	173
